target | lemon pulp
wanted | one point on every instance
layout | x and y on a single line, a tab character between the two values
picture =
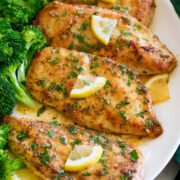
86	86
83	156
102	28
158	87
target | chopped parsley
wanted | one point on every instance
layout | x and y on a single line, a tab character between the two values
50	133
45	146
103	172
41	110
83	26
86	174
55	61
23	135
148	123
104	160
114	90
71	46
134	155
74	73
62	172
79	37
130	74
129	83
141	114
122	103
73	130
126	177
122	114
64	14
54	123
34	146
122	144
107	101
45	157
63	140
43	83
76	141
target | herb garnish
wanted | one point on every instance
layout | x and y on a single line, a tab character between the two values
41	110
63	140
134	155
45	157
86	174
23	135
34	146
50	133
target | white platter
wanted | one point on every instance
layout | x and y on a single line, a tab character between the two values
157	153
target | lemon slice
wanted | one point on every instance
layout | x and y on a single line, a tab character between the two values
108	1
86	86
24	174
102	28
82	157
158	87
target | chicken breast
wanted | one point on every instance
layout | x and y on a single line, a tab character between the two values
69	26
123	105
142	10
45	153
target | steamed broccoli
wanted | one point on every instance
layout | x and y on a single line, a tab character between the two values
34	41
7	98
4	25
12	54
20	12
4	133
7	166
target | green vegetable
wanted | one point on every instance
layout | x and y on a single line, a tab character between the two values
12	53
41	110
7	97
7	166
23	135
4	24
45	157
86	174
134	156
4	132
20	12
34	41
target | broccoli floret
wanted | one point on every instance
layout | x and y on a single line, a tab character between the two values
4	25
7	98
4	133
20	12
34	41
12	48
7	166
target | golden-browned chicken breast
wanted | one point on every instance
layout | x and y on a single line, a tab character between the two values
142	10
39	144
131	43
121	106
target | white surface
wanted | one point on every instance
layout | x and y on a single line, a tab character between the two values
158	152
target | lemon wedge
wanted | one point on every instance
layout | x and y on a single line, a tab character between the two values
102	28
83	156
158	87
86	86
108	1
